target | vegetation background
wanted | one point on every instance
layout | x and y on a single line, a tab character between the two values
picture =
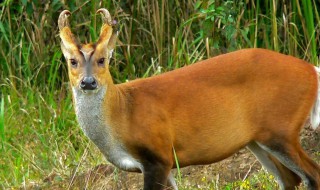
40	142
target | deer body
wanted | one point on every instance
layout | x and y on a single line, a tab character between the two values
211	102
205	112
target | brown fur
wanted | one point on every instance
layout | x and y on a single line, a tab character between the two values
218	99
206	111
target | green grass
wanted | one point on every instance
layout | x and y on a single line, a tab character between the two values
38	131
259	181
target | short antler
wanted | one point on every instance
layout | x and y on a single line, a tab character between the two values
69	42
106	17
107	34
63	19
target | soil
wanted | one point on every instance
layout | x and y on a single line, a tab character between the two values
237	167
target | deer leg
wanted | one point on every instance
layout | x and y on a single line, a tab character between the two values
171	182
294	158
155	176
156	169
286	179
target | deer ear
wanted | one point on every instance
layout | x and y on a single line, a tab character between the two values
112	41
108	36
65	51
68	42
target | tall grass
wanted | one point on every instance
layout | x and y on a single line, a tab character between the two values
38	132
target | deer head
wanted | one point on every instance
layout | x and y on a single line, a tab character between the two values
88	64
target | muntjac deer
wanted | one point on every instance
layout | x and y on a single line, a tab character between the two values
205	112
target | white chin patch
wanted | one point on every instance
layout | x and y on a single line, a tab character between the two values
90	91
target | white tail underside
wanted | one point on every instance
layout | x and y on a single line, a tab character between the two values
315	113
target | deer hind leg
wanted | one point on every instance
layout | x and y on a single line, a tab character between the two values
286	179
292	156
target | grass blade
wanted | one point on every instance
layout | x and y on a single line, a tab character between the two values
2	122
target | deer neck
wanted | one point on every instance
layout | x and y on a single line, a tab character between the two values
91	117
93	111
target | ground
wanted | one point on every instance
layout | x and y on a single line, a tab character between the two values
238	167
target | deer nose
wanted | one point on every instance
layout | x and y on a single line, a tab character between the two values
88	83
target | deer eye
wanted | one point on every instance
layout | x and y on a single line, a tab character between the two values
73	63
101	62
